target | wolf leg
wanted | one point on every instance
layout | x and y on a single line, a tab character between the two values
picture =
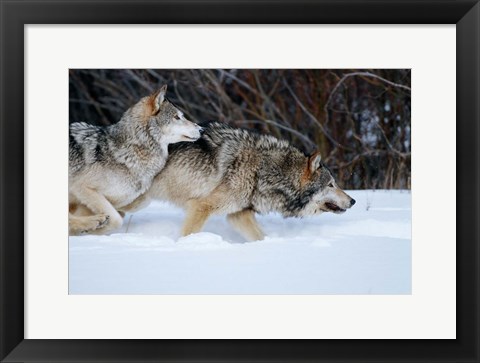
198	210
78	225
197	214
99	205
139	203
245	223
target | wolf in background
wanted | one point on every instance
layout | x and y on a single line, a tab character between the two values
239	173
109	167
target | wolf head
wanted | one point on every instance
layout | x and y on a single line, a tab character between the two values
324	193
164	122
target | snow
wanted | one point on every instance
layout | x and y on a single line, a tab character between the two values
366	250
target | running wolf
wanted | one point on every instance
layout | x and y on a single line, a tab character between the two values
239	173
111	166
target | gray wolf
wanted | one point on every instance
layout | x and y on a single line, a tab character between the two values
109	167
239	173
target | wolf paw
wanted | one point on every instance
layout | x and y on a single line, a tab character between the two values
102	220
96	222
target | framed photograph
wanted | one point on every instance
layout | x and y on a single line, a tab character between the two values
246	181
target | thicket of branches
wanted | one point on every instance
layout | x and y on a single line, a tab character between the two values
358	119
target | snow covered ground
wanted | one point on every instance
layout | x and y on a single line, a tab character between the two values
366	250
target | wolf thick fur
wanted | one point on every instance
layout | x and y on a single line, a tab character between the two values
109	167
239	173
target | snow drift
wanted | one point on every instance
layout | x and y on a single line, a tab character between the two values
367	250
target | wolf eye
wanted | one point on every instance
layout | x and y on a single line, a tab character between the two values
176	117
330	185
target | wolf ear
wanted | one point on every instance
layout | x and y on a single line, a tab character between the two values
315	161
157	99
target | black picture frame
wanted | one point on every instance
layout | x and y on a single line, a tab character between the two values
15	14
